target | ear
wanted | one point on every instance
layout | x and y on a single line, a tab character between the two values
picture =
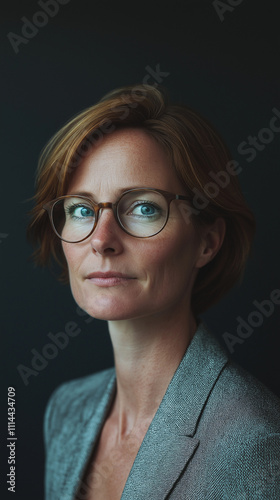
212	238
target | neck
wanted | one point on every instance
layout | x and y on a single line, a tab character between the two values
147	352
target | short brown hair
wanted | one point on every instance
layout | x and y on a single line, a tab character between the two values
201	160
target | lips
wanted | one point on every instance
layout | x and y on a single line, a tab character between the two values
110	278
109	274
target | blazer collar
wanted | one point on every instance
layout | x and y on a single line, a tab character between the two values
169	442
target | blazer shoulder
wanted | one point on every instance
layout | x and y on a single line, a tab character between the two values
239	433
237	397
83	385
76	397
245	402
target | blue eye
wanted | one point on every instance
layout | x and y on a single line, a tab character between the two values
86	212
78	211
145	210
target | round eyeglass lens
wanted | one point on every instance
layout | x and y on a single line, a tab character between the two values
142	213
73	218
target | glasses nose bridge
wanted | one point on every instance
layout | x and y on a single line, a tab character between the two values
103	205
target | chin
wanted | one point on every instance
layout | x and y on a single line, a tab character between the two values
109	309
108	305
110	315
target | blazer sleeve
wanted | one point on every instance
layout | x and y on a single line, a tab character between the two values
49	416
50	427
73	415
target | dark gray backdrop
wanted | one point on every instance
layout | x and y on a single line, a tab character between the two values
221	58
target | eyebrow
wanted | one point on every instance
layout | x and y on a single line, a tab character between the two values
81	193
118	192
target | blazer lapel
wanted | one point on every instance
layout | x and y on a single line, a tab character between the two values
169	443
85	434
158	465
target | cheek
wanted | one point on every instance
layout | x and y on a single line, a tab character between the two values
73	256
171	262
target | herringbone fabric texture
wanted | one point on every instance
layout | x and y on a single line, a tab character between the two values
215	436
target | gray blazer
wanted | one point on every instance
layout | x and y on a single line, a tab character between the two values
216	433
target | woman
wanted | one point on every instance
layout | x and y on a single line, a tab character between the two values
149	225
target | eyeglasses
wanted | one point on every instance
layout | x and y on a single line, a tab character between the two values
140	212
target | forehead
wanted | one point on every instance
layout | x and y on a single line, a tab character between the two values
122	160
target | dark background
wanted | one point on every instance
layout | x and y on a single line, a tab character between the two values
226	69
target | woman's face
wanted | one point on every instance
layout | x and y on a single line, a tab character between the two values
159	271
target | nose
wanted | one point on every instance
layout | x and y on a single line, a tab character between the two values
107	236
